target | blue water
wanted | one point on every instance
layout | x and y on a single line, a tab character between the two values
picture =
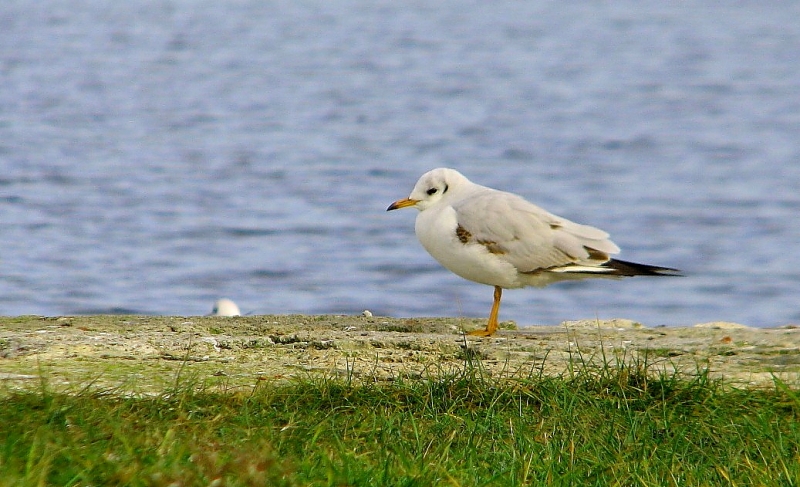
157	155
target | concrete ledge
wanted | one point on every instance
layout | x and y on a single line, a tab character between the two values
147	353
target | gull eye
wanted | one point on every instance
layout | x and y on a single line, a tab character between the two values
432	191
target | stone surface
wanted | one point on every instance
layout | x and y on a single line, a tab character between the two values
145	354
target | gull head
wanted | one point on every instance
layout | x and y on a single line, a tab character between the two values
431	188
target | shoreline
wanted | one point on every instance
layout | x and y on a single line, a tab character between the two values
146	354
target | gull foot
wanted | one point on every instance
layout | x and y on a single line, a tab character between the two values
481	333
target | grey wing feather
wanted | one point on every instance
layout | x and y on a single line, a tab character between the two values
529	237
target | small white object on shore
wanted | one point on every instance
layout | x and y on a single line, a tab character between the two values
225	307
367	313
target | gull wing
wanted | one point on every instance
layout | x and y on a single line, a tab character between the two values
527	236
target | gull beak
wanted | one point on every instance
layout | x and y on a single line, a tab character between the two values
404	203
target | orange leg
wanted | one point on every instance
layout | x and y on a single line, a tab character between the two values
491	326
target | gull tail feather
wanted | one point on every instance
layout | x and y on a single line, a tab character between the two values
624	268
615	268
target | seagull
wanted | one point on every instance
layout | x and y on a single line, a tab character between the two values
499	239
225	307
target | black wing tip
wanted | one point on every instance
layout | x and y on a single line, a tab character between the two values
625	268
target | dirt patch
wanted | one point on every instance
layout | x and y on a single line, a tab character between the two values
145	354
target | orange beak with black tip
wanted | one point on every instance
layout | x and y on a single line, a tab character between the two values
404	203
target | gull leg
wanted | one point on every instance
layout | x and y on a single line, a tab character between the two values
491	326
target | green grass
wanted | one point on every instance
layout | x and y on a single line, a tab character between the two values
616	424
